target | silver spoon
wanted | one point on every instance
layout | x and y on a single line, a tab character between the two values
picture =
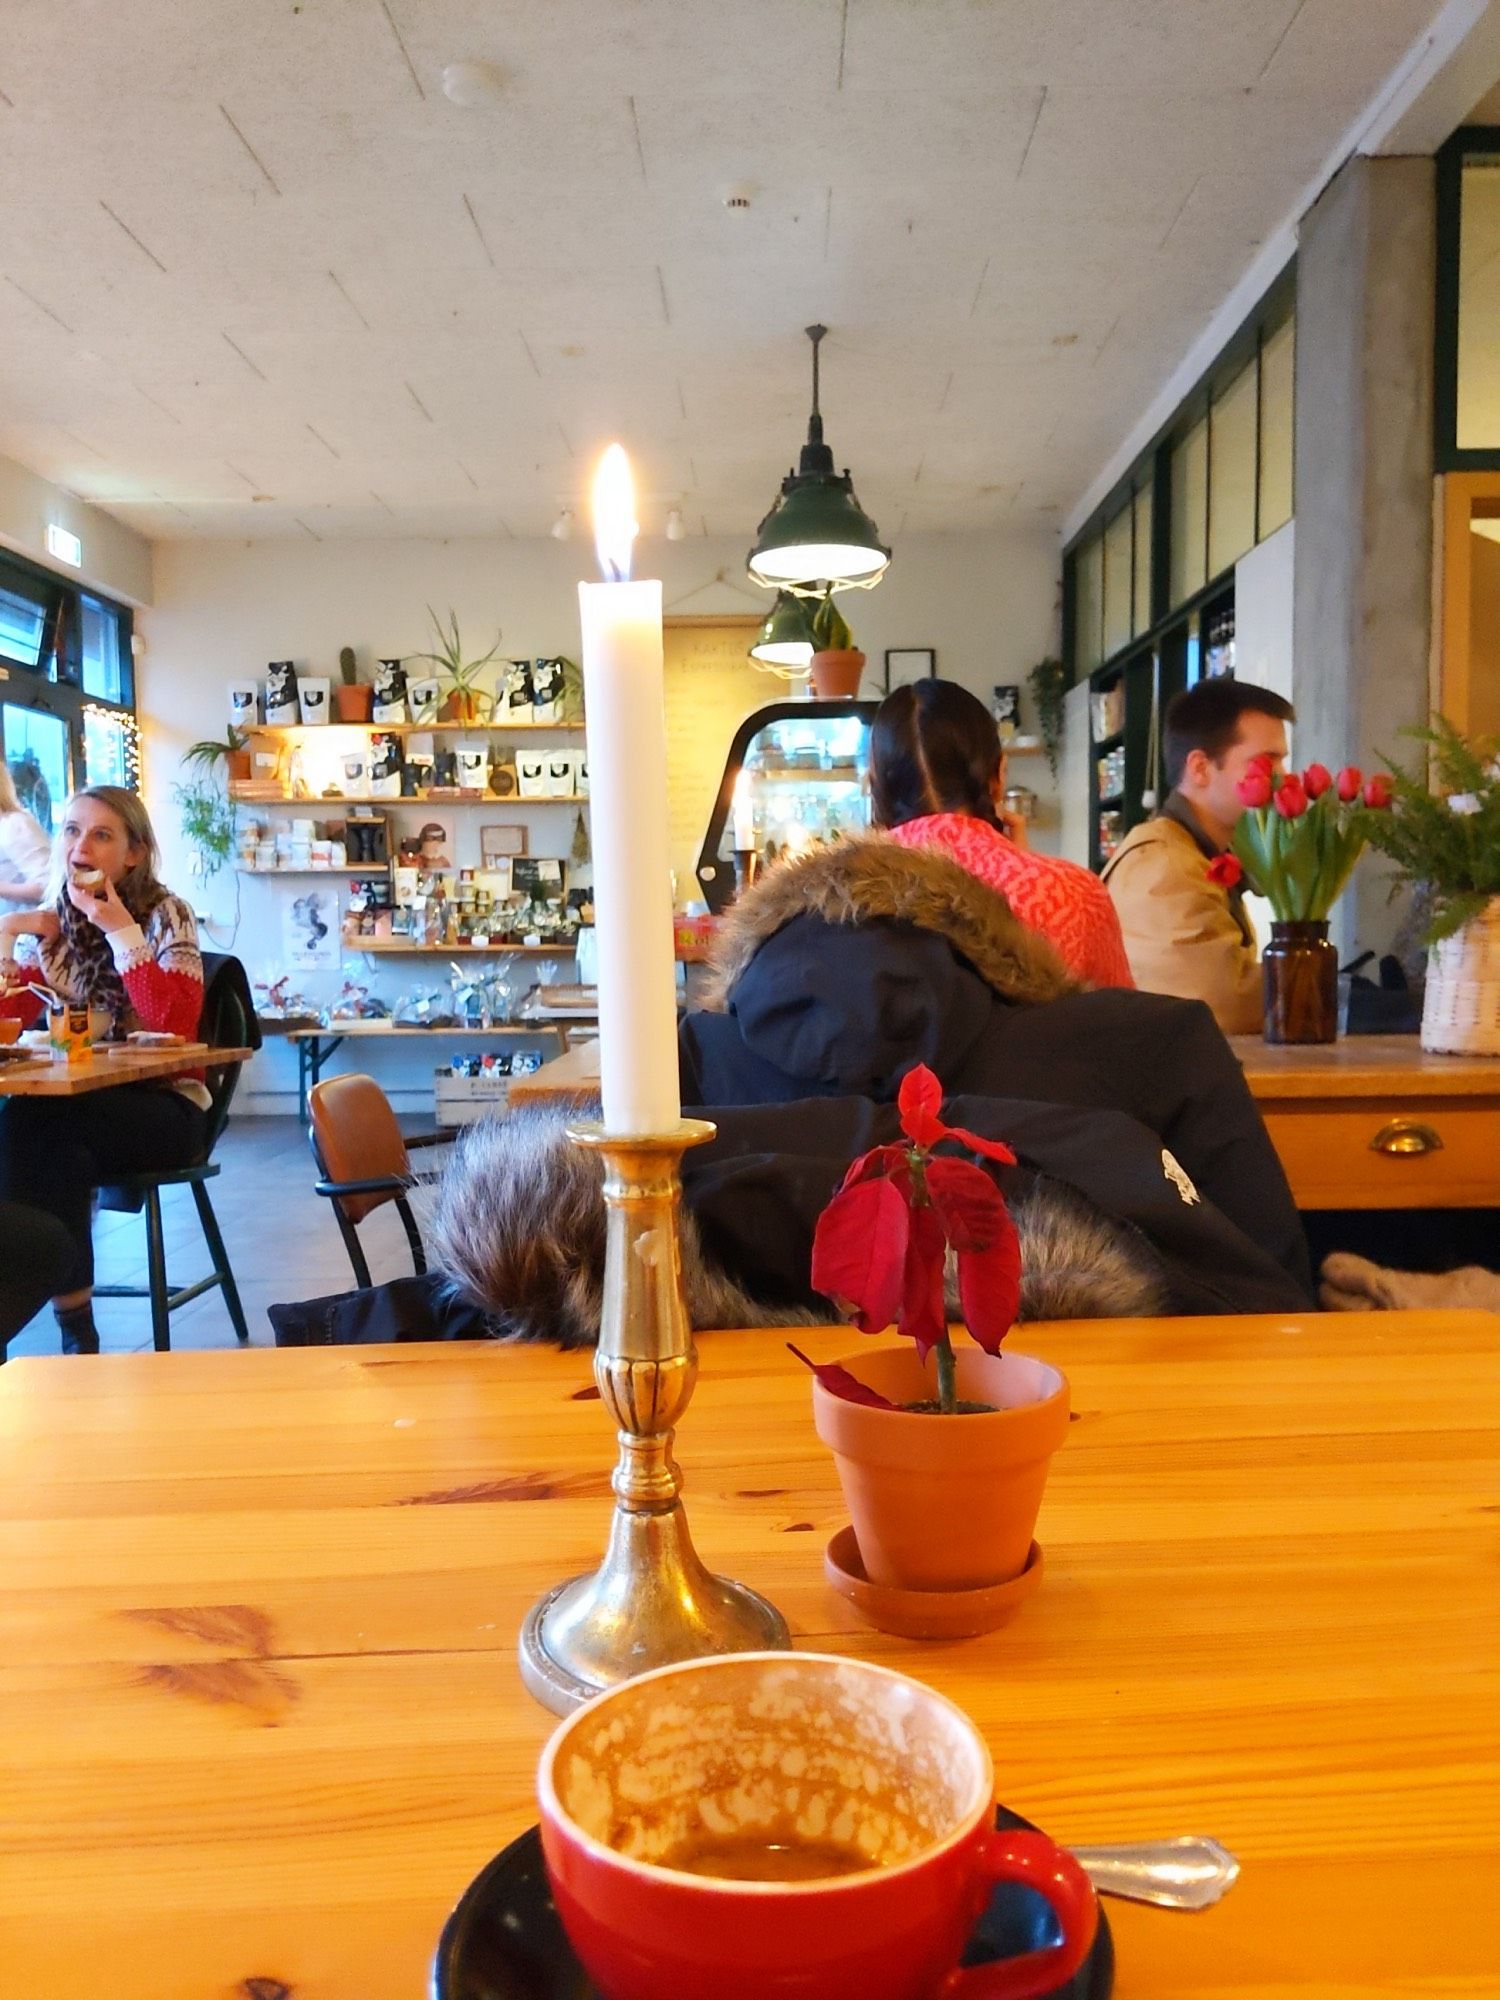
1189	1873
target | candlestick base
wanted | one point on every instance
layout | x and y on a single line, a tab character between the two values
651	1601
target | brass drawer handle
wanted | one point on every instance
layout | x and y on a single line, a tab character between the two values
1404	1137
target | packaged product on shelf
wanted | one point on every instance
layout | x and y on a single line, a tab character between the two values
424	698
312	697
473	768
560	773
514	704
548	680
531	773
242	704
385	765
390	691
281	692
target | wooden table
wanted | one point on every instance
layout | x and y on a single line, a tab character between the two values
1373	1121
316	1044
260	1719
1332	1112
117	1063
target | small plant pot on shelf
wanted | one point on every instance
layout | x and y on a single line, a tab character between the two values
461	706
1461	1003
836	675
352	704
945	1503
238	766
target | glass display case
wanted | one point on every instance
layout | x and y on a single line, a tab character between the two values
796	775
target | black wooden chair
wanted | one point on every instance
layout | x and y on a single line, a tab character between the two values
228	1022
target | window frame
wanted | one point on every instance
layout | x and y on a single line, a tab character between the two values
1447	454
54	685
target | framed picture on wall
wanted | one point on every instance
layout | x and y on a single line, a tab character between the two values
500	843
905	664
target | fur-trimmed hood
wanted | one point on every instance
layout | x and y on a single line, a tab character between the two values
844	967
869	879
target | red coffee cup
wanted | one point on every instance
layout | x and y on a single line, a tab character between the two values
795	1757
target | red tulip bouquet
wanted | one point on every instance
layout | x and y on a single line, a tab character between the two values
882	1243
1301	833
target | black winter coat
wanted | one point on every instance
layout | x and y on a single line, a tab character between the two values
840	971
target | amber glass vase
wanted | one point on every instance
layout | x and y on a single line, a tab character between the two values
1301	970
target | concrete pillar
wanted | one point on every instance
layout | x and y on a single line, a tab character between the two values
1364	472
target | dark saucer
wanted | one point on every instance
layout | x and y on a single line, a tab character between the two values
504	1941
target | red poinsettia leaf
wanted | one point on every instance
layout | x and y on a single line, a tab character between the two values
859	1252
879	1163
920	1103
922	1316
839	1382
966	1202
992	1149
989	1285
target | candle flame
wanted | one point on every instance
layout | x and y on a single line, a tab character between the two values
615	526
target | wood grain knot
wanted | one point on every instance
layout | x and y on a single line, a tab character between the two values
266	1989
233	1628
798	1528
516	1486
589	1395
760	1493
263	1691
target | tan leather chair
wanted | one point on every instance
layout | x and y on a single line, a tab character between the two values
364	1160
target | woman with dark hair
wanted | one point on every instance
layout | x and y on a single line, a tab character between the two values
937	773
116	940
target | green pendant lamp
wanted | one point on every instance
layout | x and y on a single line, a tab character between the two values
786	639
816	532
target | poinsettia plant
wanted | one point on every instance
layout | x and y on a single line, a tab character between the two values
881	1246
1300	835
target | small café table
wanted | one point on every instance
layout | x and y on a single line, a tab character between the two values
1369	1121
260	1718
108	1065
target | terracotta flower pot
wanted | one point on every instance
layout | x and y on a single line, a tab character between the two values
353	704
461	706
238	766
836	675
945	1503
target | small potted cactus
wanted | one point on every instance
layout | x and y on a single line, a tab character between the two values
353	700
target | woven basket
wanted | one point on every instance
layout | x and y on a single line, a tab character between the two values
1461	1009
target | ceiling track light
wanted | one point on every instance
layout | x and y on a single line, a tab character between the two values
816	532
562	528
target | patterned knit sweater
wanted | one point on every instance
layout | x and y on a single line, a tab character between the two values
160	967
1068	905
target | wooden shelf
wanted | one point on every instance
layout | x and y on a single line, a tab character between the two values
295	874
327	808
394	946
405	728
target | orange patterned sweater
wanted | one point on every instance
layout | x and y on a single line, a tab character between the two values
1069	906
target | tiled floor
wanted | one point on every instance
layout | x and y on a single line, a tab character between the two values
282	1240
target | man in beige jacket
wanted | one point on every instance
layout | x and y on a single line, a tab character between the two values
1183	933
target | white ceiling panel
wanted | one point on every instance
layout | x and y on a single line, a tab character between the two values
249	248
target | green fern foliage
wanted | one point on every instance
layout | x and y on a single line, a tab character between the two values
1445	834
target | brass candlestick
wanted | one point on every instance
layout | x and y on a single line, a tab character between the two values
651	1601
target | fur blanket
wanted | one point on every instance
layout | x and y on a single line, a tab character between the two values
519	1226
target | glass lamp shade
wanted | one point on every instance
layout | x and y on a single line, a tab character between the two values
817	532
785	640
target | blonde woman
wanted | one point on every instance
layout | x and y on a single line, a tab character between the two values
25	850
113	938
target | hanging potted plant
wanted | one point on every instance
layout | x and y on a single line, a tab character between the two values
837	664
1296	844
1048	681
353	700
467	699
1445	839
942	1454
